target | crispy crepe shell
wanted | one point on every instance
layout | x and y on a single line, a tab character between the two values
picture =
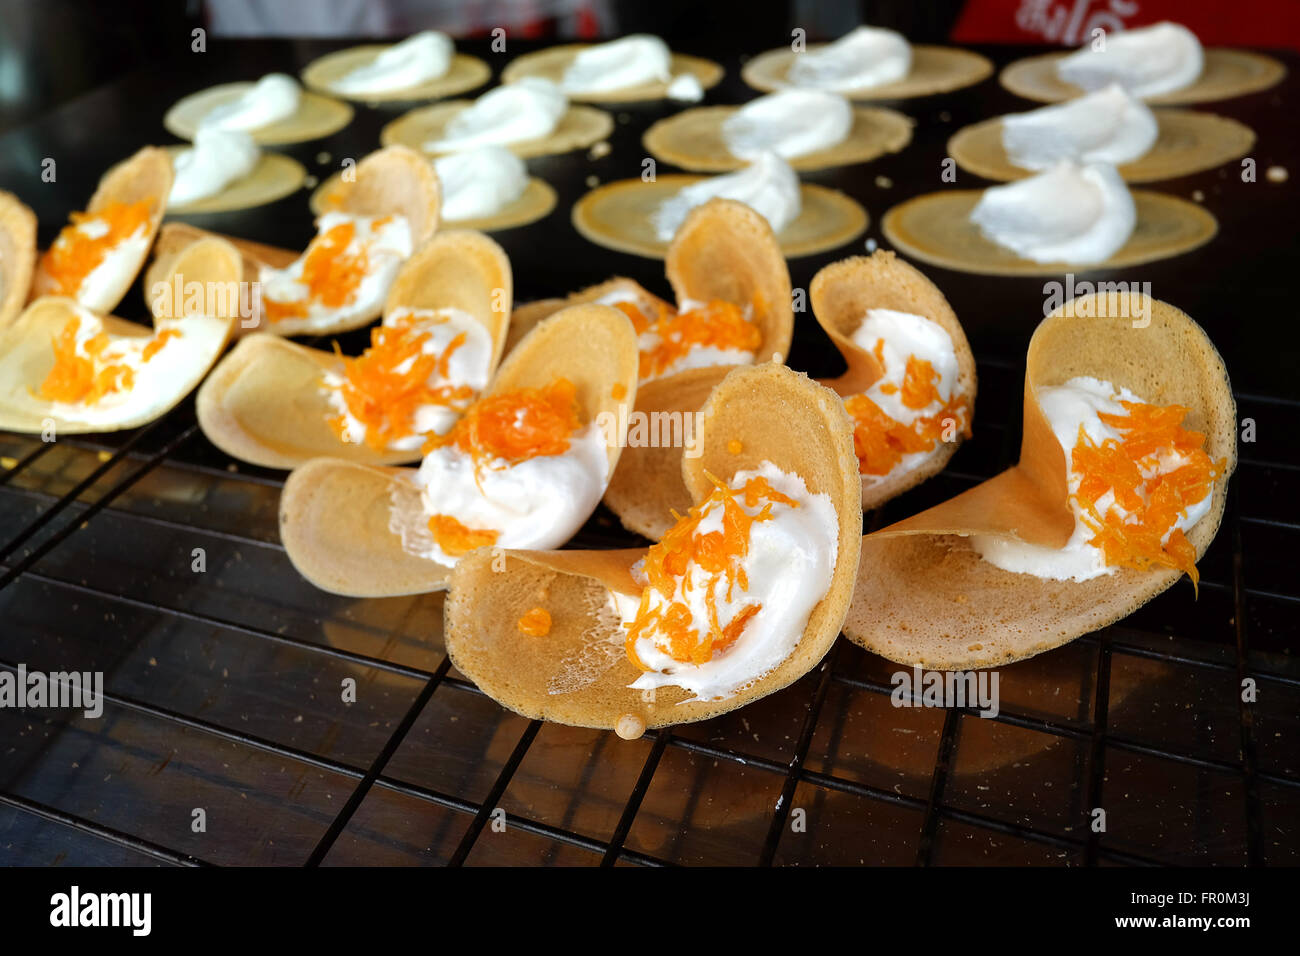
1226	73
578	673
550	64
617	216
1188	142
841	295
935	69
26	357
578	128
145	176
317	116
264	403
693	140
464	72
334	514
936	228
925	597
17	255
529	314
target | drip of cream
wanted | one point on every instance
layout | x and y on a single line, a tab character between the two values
788	569
1147	62
417	59
272	98
619	64
1070	213
218	158
862	58
789	123
1078	403
479	182
538	503
768	186
1108	126
528	109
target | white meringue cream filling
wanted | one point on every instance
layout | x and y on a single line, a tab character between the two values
619	64
417	59
768	186
1108	126
272	98
1147	62
862	58
527	109
789	123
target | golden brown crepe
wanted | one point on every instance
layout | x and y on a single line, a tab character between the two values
924	597
1226	73
317	116
579	672
935	69
26	355
1188	142
841	295
578	128
463	73
17	255
144	177
335	515
264	403
937	228
551	63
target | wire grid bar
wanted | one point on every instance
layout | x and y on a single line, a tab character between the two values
612	850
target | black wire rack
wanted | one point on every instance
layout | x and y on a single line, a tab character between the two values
155	559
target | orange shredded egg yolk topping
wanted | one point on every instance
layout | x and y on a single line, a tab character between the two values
880	440
1154	502
716	324
331	274
85	379
384	396
75	253
720	556
502	430
536	622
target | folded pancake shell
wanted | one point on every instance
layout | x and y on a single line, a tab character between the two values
17	255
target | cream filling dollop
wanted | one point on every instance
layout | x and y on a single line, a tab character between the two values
685	88
1147	62
619	64
1108	126
1070	213
387	245
863	58
788	567
468	365
417	59
218	158
272	98
101	287
789	123
900	336
527	109
479	182
536	504
1079	402
172	368
768	186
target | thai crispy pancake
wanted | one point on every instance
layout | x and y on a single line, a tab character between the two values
264	403
1226	73
17	255
26	356
693	140
579	672
925	597
1188	142
390	181
334	514
841	295
550	64
724	250
935	69
536	202
618	216
145	177
463	73
529	314
317	116
936	228
274	177
578	128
